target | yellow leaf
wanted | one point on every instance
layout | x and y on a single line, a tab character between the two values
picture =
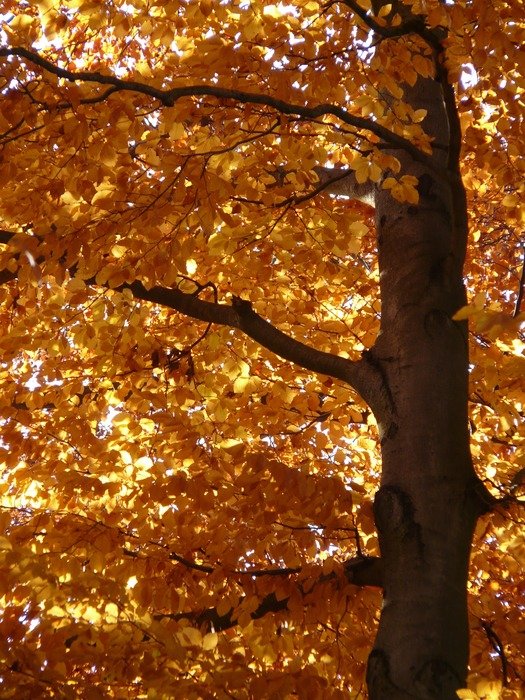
374	172
91	614
209	641
111	610
419	115
410	194
358	228
56	611
144	462
389	182
205	6
119	250
177	131
240	384
108	155
223	607
193	635
191	266
272	11
20	22
253	28
489	689
465	312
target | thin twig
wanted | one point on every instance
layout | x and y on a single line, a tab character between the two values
498	647
521	287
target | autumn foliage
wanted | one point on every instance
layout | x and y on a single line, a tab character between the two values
186	476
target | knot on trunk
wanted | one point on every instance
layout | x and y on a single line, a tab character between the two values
393	510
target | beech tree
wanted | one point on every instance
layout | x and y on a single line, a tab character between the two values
245	452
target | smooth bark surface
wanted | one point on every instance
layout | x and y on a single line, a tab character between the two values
428	503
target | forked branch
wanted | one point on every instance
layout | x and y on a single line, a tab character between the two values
413	25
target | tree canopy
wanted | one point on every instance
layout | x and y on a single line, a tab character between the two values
188	452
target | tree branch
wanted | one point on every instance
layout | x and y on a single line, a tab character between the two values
342	181
359	374
361	571
169	97
6	236
209	619
191	564
499	649
521	286
413	25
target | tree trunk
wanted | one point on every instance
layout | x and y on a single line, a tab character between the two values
428	502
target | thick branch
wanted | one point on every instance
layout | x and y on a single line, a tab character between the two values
362	571
359	374
342	181
6	236
168	98
210	619
240	315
